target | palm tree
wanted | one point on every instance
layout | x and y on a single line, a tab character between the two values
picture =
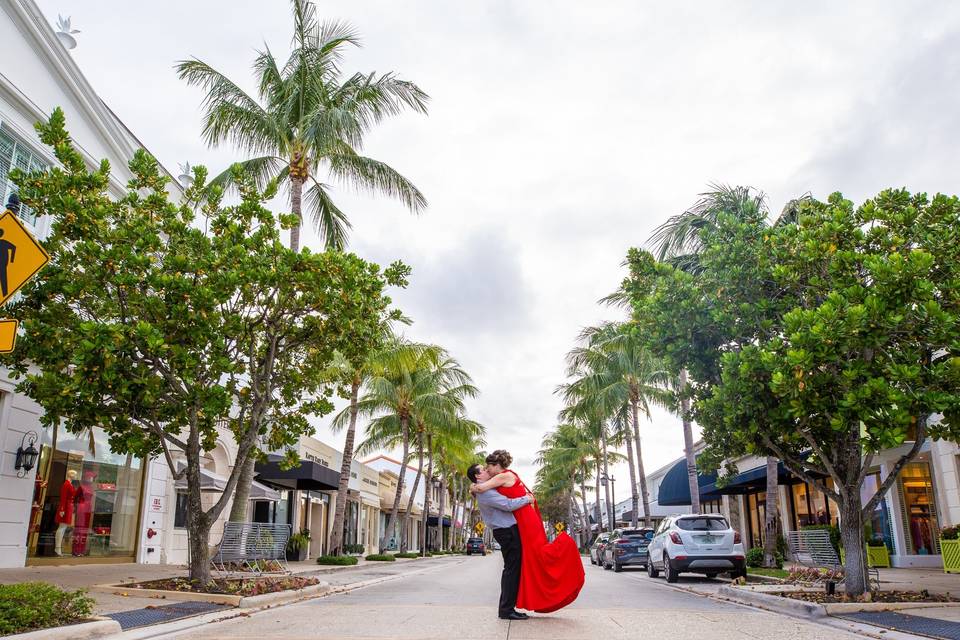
566	456
680	241
612	366
394	355
308	117
427	394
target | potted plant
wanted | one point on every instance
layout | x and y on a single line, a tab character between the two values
297	546
950	549
877	553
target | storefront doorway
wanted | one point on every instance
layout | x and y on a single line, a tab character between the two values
918	509
86	501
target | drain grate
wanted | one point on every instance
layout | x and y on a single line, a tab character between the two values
932	627
165	613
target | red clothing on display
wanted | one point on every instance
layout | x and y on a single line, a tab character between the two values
551	573
68	495
84	514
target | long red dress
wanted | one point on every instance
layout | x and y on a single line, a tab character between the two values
551	573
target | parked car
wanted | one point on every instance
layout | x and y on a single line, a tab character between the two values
597	547
475	545
626	547
695	544
495	545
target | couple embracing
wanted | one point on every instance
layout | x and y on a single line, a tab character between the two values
537	575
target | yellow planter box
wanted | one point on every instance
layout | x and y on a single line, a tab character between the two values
877	557
950	552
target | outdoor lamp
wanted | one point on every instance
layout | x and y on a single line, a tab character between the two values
603	479
26	457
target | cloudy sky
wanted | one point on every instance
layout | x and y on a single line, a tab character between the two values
561	133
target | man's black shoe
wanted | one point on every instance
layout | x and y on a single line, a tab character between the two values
515	615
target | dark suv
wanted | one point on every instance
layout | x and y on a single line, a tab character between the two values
475	545
626	547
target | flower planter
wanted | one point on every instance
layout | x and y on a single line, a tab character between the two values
297	556
950	552
878	557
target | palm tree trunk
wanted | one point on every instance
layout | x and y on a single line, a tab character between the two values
597	496
443	496
336	536
587	534
405	545
606	473
644	494
770	515
428	495
634	498
688	445
392	520
296	204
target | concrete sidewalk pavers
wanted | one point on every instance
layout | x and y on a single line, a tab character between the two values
97	628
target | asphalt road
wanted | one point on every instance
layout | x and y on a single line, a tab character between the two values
455	598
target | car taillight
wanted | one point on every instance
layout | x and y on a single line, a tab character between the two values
624	541
736	537
675	537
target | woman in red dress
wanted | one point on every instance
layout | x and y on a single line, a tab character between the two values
551	573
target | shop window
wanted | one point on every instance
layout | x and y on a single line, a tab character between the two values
757	510
812	506
180	512
918	509
877	527
88	498
15	154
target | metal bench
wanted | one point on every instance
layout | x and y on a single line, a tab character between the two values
813	548
252	547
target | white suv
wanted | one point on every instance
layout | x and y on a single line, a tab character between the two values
695	544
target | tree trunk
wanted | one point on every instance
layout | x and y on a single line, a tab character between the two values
336	536
198	523
606	472
770	515
443	496
851	535
296	199
688	445
634	497
644	494
392	520
587	533
405	544
428	497
597	505
241	495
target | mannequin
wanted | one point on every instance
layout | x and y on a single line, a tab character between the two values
64	517
84	513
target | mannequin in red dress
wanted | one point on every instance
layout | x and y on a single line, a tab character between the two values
64	516
551	573
84	513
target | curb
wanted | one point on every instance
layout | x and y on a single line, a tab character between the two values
788	606
171	596
96	628
841	608
282	597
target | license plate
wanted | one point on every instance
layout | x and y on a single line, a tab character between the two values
708	539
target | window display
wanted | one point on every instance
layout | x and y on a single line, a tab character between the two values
87	498
919	509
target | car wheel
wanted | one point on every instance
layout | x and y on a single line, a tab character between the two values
592	561
606	566
617	568
669	572
652	570
711	576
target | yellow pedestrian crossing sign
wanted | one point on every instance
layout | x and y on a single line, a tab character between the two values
21	256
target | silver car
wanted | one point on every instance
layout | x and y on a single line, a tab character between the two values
695	544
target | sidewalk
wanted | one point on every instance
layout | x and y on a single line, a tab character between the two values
85	576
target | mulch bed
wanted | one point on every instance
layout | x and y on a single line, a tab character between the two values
228	586
820	597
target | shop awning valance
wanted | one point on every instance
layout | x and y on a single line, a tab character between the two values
308	476
675	487
432	521
211	482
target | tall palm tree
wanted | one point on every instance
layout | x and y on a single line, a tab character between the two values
394	355
567	455
309	118
412	399
680	241
611	366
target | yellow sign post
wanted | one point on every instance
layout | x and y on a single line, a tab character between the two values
21	257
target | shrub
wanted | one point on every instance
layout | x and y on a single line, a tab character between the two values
754	558
408	554
354	548
380	557
37	605
339	560
950	533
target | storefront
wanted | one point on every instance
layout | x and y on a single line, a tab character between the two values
87	500
918	510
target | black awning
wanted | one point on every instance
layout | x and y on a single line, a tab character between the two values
675	487
432	521
309	476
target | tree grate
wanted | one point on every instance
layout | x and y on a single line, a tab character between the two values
165	613
932	627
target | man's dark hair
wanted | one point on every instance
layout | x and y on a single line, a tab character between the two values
472	472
